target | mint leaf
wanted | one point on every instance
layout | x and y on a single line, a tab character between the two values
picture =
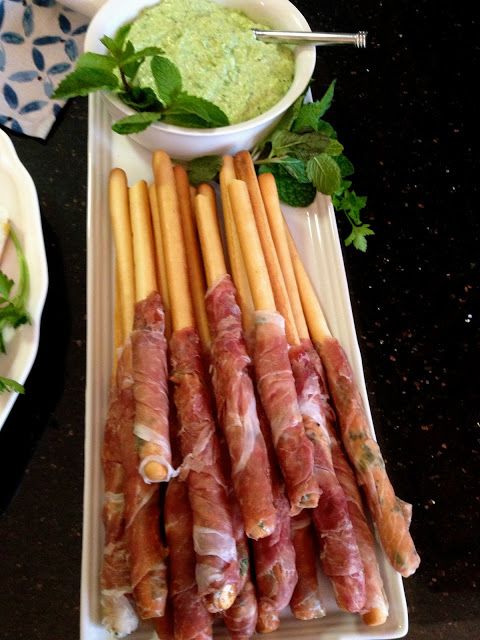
346	167
296	168
358	235
204	169
189	120
326	128
121	35
208	113
135	123
309	115
114	46
7	384
141	99
168	80
324	173
83	81
294	144
96	61
334	148
290	191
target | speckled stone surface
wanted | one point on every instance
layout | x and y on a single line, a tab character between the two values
404	110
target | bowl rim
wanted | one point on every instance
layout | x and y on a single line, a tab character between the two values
305	60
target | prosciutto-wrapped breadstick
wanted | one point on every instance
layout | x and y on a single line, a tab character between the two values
306	603
234	390
131	222
192	621
142	509
217	567
118	614
339	550
391	515
273	371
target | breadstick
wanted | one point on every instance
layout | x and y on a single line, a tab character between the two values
314	315
246	171
208	191
276	221
143	246
210	240
122	233
248	236
173	244
194	260
160	256
237	264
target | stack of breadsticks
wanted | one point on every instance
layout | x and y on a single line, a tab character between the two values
236	439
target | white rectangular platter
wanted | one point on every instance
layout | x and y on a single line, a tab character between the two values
316	234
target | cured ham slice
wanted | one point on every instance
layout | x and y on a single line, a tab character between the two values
142	509
274	557
241	618
375	610
391	515
192	621
237	411
306	603
149	370
217	571
279	399
118	614
340	556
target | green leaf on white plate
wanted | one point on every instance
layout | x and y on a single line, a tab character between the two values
324	173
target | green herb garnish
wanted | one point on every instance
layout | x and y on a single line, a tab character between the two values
304	155
13	308
116	72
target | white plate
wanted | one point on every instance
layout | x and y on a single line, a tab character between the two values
18	198
315	231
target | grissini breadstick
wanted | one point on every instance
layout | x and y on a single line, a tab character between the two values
272	366
122	234
246	171
149	348
237	264
173	244
276	223
217	571
160	259
340	555
316	321
143	245
194	260
233	387
391	515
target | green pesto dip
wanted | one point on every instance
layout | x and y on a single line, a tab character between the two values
217	54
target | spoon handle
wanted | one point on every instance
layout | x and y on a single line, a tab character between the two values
358	39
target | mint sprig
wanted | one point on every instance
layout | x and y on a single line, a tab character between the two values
116	72
305	156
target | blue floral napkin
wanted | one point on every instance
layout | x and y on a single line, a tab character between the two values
39	43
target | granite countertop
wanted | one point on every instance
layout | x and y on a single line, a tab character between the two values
402	109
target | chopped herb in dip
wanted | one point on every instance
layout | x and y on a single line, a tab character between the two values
217	54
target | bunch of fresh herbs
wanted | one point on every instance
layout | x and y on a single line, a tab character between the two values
116	72
13	308
305	156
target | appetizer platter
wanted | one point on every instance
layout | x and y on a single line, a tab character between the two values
19	209
313	246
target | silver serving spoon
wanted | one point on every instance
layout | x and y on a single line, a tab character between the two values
311	37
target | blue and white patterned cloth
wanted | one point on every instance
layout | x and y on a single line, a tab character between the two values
39	43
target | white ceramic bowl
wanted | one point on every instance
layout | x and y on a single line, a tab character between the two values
184	143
